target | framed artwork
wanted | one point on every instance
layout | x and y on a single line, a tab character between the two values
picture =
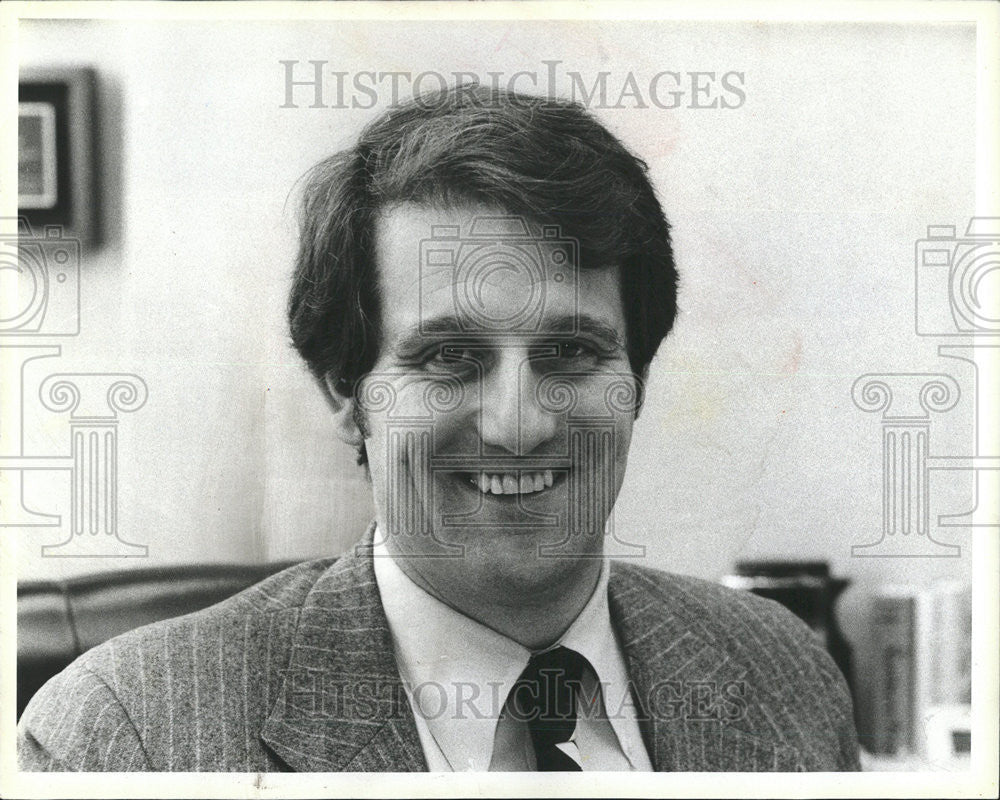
55	150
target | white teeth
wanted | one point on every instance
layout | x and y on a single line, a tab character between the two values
512	483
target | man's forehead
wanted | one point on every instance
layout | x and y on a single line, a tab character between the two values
485	271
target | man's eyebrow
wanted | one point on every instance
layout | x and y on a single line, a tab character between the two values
427	333
436	329
588	324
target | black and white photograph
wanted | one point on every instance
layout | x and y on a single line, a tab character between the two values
391	391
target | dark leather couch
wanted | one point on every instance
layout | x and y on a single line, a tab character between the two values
59	620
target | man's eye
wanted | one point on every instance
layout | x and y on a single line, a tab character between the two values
573	350
449	356
563	351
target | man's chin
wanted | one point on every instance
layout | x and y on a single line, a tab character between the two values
510	550
525	564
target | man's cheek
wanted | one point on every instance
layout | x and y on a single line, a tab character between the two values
623	440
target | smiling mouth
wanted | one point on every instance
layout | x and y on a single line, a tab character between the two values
522	482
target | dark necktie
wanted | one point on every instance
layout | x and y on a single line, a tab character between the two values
545	698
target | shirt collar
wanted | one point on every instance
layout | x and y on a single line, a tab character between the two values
459	672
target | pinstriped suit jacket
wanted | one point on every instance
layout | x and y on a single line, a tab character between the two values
298	673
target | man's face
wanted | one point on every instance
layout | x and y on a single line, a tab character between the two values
500	409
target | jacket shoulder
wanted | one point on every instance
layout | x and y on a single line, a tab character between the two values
278	592
270	606
726	614
800	697
163	686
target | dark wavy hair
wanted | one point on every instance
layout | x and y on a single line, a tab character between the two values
546	159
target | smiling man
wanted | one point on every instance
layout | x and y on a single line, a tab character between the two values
482	283
486	480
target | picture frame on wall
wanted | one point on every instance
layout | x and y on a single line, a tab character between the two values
55	144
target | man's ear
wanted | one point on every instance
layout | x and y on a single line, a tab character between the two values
343	413
640	389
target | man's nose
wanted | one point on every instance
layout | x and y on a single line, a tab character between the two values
512	418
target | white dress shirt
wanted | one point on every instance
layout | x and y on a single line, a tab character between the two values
457	674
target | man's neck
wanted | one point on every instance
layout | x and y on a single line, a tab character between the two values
534	619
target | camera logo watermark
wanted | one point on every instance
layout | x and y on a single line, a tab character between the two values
39	282
493	245
955	277
503	413
40	299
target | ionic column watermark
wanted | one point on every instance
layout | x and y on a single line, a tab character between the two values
94	401
906	401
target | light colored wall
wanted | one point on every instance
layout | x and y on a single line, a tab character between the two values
794	219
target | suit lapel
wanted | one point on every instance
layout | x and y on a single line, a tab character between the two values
342	706
673	660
